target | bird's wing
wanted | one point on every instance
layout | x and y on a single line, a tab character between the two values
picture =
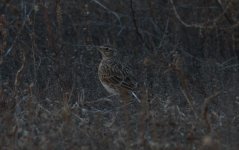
117	74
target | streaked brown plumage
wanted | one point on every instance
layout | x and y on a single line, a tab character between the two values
115	76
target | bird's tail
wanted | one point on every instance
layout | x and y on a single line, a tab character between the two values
136	97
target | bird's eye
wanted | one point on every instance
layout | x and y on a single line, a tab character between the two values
106	48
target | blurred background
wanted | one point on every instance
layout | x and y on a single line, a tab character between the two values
184	54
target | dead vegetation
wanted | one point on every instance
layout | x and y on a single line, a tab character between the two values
185	55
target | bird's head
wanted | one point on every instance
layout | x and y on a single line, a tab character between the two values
107	52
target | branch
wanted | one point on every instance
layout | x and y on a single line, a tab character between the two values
205	24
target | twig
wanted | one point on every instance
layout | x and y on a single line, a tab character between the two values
176	66
205	109
164	34
112	12
230	66
135	21
16	82
218	2
18	33
205	25
136	25
189	99
46	110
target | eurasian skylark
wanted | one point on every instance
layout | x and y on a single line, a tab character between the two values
115	76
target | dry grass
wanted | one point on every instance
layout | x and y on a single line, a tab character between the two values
185	59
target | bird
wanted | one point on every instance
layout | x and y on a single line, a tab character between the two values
115	76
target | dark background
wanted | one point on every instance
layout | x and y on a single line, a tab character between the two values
183	53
